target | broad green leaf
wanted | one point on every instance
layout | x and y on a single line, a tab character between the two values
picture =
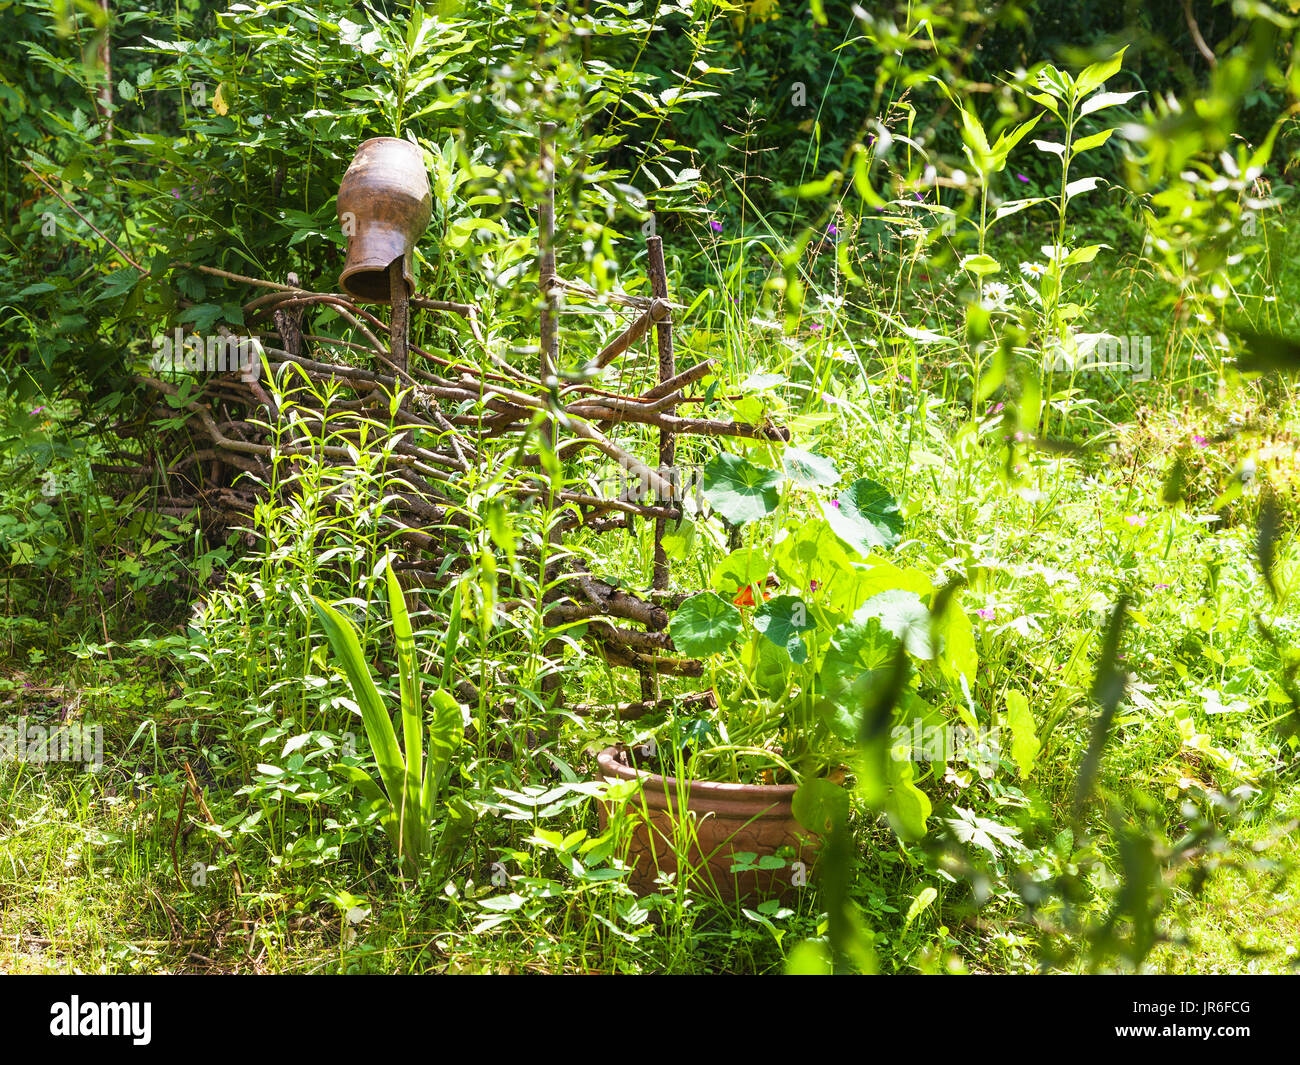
763	382
808	470
739	490
767	667
409	676
1083	144
679	539
1006	141
865	516
379	726
446	733
743	568
372	793
1093	77
820	805
1046	101
856	647
1085	254
907	806
919	905
1105	99
958	638
977	142
704	625
991	836
904	615
453	632
460	231
1014	206
923	336
1084	184
982	265
812	559
1024	740
783	621
809	959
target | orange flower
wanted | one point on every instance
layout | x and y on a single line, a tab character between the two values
746	596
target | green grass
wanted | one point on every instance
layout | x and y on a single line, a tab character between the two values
103	872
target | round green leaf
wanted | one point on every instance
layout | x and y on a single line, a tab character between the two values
865	516
903	614
820	805
739	490
808	470
704	625
783	620
858	646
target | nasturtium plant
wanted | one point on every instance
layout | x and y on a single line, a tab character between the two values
856	649
808	470
784	620
705	624
904	615
739	490
865	516
820	805
742	568
811	558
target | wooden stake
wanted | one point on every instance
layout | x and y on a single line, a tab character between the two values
552	690
667	371
667	445
401	300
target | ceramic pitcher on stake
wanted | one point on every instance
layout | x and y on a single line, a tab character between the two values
384	204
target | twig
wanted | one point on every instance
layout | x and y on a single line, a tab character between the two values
102	235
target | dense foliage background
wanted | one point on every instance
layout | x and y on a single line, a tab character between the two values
902	232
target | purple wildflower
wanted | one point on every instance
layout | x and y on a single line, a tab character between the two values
38	410
1021	177
833	229
987	613
715	226
1198	440
835	503
812	586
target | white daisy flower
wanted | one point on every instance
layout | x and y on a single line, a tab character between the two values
996	296
1033	270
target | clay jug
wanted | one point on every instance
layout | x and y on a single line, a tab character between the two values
384	205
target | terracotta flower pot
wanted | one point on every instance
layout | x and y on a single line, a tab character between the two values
719	820
384	205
